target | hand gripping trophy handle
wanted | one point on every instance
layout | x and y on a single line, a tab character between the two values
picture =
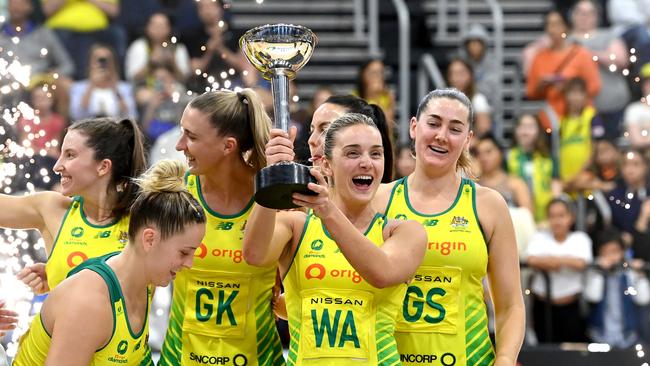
278	51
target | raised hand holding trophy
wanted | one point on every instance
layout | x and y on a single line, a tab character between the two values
278	51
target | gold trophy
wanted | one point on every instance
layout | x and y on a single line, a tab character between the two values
278	51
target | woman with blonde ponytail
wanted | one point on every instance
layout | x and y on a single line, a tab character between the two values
221	308
99	314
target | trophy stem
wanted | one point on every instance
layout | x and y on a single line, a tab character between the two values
280	90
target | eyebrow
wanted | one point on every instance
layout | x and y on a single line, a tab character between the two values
356	146
433	115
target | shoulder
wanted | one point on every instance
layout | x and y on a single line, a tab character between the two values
383	196
50	202
411	229
488	197
82	299
491	208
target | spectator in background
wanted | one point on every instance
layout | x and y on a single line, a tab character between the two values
37	47
156	45
80	24
530	159
606	165
102	93
599	179
474	50
612	318
575	133
371	86
625	14
214	49
626	199
637	115
489	154
554	65
460	75
612	57
405	164
166	103
563	254
641	235
44	131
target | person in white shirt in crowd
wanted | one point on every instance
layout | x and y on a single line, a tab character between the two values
156	44
563	254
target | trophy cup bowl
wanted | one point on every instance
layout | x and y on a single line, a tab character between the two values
278	51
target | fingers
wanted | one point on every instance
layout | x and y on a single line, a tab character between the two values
280	147
293	131
319	177
23	272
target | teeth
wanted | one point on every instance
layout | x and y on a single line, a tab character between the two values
438	149
362	177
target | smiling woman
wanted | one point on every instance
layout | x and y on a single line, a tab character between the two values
98	157
358	288
224	133
470	235
107	321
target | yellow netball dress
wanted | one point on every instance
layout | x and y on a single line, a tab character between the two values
335	316
221	308
78	240
125	347
443	320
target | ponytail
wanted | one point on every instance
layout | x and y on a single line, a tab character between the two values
121	142
259	124
163	201
379	118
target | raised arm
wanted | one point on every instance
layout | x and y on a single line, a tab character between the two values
42	211
394	262
268	232
503	274
27	212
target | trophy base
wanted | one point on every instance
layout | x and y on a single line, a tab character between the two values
275	184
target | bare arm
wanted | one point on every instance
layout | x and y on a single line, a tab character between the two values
394	262
503	274
268	232
543	263
27	212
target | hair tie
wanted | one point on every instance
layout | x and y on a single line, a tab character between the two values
242	98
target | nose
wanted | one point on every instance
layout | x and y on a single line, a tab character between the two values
181	145
441	134
187	263
365	161
313	140
58	166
